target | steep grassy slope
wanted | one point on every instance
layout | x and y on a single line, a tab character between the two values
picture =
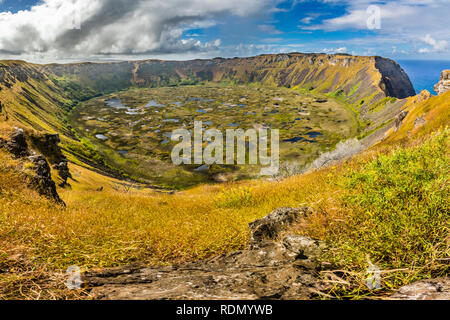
29	97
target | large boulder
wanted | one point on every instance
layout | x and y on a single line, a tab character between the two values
433	289
48	145
42	181
270	227
17	145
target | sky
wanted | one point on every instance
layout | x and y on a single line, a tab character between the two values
108	30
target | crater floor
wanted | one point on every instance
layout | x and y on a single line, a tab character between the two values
131	129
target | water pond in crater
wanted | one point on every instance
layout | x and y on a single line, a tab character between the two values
143	119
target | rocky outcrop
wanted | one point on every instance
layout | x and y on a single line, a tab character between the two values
269	227
398	120
434	289
422	96
42	181
268	269
394	80
444	83
17	146
48	145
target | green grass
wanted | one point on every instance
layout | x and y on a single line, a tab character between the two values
395	212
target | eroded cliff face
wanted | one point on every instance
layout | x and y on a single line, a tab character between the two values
444	83
394	80
38	94
365	80
362	81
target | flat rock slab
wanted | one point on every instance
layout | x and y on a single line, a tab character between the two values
274	270
433	289
268	269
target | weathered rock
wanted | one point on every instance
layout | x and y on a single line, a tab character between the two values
422	96
444	83
273	270
271	225
48	145
399	119
43	180
394	81
434	289
307	250
17	145
420	121
64	172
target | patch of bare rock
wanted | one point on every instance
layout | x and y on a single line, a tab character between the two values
267	269
275	265
432	289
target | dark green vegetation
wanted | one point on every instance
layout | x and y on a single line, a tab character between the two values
132	129
395	214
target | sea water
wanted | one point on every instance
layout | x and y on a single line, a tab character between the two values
424	74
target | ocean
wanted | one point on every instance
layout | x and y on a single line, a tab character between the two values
424	74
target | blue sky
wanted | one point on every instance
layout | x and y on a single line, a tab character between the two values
16	5
60	30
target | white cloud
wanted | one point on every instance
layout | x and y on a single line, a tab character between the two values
268	28
338	50
115	27
403	24
437	45
307	20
